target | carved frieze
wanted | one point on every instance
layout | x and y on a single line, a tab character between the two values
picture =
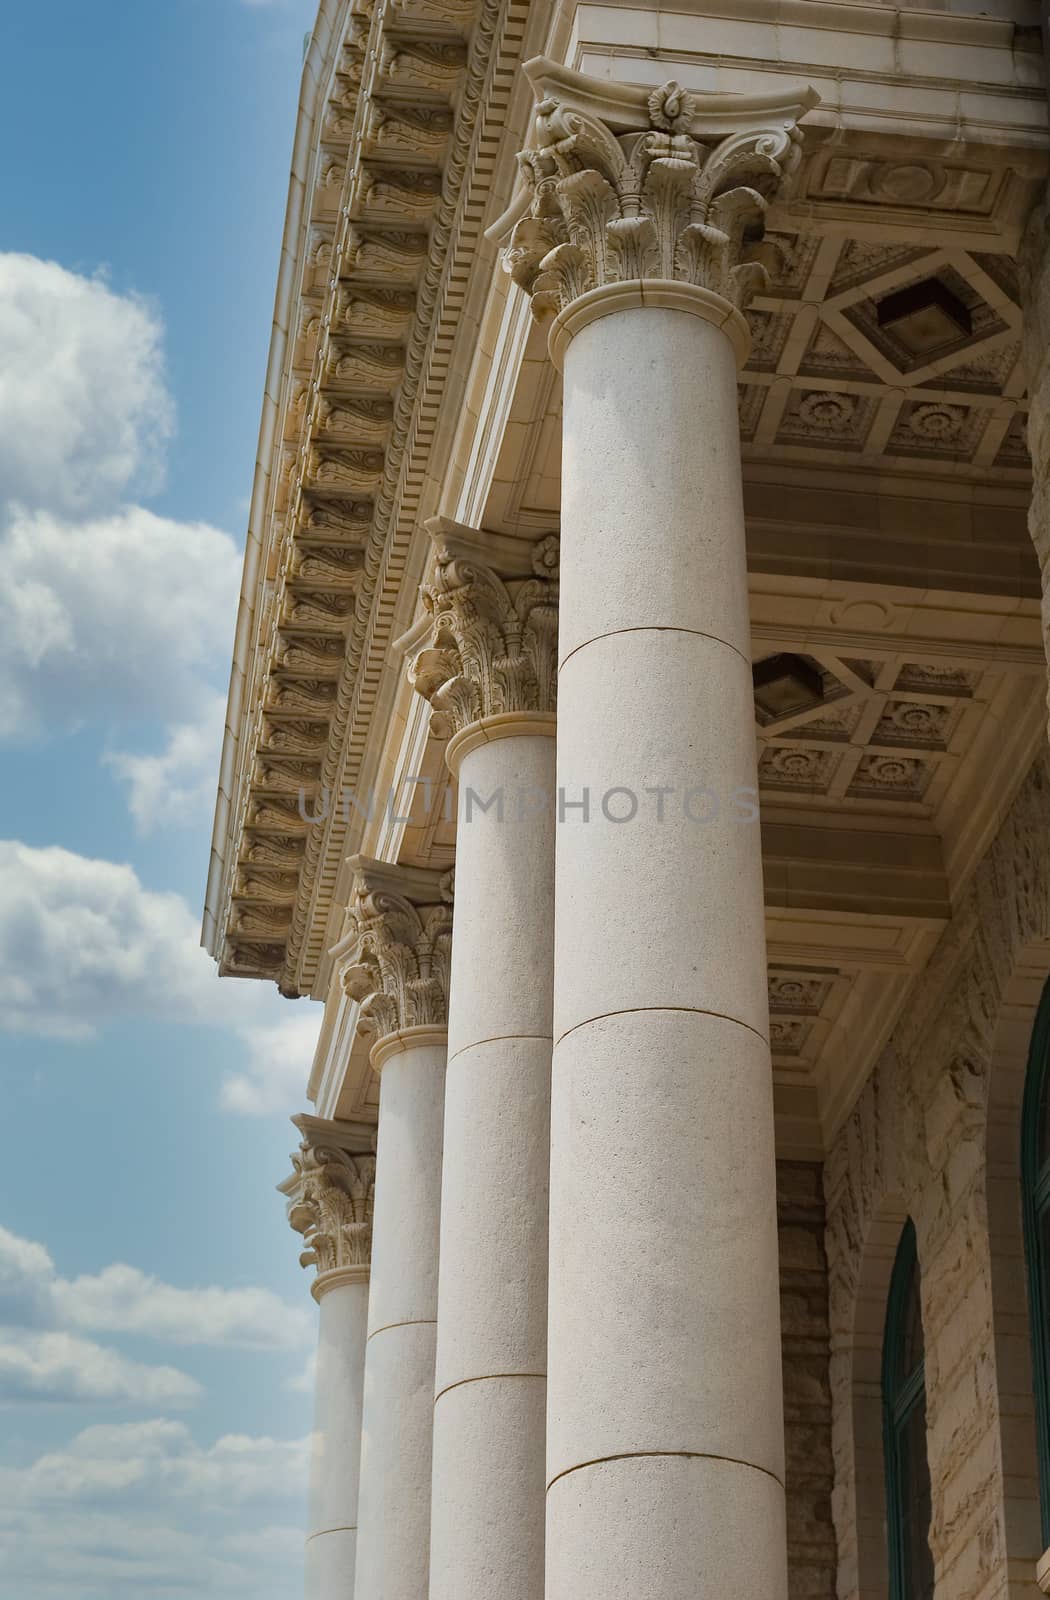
415	130
435	65
396	139
385	253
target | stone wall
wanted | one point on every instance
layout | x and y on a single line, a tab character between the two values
807	1391
1034	270
915	1144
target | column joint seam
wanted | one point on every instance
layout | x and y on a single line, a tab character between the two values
498	1038
485	1377
673	1455
409	1322
691	1011
655	627
341	1528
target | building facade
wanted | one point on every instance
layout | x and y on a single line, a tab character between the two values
637	745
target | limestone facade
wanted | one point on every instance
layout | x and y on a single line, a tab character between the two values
637	748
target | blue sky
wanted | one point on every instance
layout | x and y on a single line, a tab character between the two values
155	1327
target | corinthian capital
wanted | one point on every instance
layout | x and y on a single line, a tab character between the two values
623	184
395	956
330	1196
489	644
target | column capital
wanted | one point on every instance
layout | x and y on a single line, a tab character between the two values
329	1194
657	194
394	958
487	644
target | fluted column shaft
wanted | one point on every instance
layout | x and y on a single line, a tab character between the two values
396	1442
331	1540
490	1387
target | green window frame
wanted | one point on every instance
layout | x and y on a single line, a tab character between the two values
908	1498
1035	1206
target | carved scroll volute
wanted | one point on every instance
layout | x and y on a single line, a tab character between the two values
492	645
330	1204
398	967
674	202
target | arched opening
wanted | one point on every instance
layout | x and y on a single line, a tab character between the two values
1035	1199
908	1489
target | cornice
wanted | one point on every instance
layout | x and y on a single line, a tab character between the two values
401	135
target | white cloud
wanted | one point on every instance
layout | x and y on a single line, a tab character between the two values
34	1298
84	407
62	1368
108	612
278	1067
110	1457
83	942
144	1509
177	785
127	614
121	1299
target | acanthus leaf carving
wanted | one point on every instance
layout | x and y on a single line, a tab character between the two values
330	1199
397	966
680	200
492	645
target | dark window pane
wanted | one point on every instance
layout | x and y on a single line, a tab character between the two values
910	1335
1043	1134
1042	1335
915	1506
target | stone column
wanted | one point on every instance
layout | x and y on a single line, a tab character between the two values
665	1454
396	957
487	667
330	1203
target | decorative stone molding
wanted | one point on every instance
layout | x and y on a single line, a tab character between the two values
395	957
488	646
915	1144
666	187
394	188
330	1194
1034	271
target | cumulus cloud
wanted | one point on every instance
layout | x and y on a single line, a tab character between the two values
83	942
84	406
126	614
108	612
83	1521
121	1299
61	1368
176	785
279	1056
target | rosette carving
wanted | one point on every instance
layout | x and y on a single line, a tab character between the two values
330	1203
673	186
492	645
397	967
